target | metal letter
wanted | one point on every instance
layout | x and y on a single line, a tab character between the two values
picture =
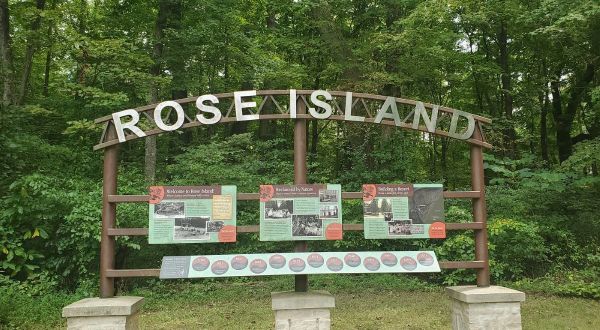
158	118
348	110
454	123
293	103
390	102
420	112
321	104
208	108
239	105
119	126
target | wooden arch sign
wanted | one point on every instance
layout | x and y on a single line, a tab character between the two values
299	106
332	105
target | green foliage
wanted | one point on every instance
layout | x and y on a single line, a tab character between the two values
516	249
241	160
32	304
94	58
583	282
585	156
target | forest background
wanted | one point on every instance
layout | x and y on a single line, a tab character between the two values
531	66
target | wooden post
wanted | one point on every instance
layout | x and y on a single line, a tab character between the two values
479	210
109	215
300	173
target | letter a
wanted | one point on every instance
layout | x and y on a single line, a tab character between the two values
390	103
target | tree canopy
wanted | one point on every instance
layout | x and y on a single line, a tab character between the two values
531	66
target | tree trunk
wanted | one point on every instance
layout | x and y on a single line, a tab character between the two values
432	156
563	128
157	51
47	67
82	66
32	44
507	100
5	51
48	63
564	119
476	81
314	139
531	129
544	126
488	57
241	127
444	161
267	129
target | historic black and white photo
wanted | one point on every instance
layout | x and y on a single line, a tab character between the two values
329	212
427	205
377	207
328	196
166	210
279	209
214	226
191	228
387	216
400	227
307	225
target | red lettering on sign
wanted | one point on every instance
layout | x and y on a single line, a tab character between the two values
437	230
227	234
157	193
334	231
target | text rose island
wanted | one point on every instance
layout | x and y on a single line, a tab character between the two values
206	105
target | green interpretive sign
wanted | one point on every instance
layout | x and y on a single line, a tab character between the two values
300	212
299	263
192	214
403	211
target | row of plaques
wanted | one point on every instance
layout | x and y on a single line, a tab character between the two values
299	263
204	214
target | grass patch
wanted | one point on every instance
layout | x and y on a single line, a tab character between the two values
380	301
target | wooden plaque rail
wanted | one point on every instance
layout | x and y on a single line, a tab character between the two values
255	229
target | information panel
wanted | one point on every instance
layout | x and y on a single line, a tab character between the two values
300	212
192	214
403	211
299	263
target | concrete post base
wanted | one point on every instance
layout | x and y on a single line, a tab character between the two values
302	310
492	307
103	314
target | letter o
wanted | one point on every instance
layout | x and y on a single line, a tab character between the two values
158	118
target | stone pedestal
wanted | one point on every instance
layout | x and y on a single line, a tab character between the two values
302	310
103	314
492	307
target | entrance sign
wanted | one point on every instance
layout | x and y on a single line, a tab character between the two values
192	214
211	109
403	211
300	212
298	106
299	263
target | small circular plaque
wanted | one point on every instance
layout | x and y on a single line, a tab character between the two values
201	263
425	259
239	262
219	267
335	264
315	260
371	263
408	263
389	259
257	266
277	261
297	264
352	259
